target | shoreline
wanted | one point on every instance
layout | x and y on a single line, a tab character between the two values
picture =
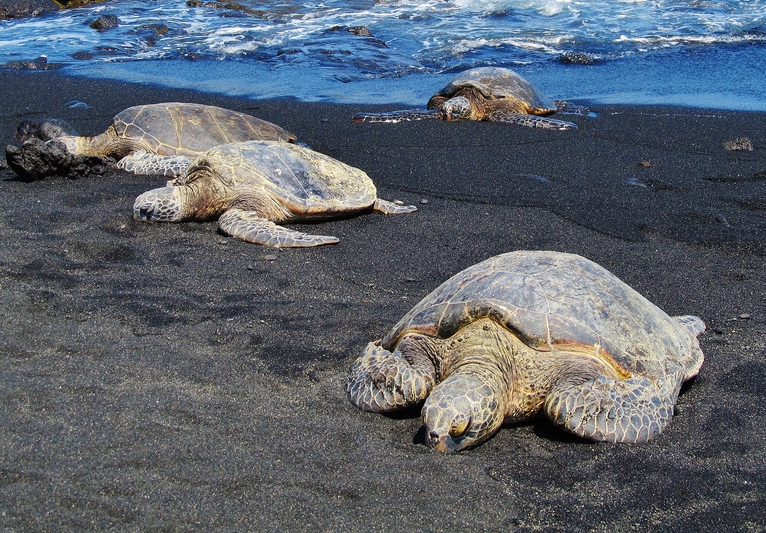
163	375
723	77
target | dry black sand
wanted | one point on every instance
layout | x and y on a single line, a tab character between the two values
165	377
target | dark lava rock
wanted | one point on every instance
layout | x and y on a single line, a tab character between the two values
37	159
105	22
360	31
44	129
12	9
150	32
41	63
157	29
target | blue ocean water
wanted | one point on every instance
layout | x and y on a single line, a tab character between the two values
703	53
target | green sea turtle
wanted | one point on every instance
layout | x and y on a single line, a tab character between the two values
250	187
147	139
487	93
525	333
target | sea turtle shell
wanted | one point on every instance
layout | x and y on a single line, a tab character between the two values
308	184
556	301
187	129
496	83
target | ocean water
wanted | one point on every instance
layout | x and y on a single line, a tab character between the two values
703	53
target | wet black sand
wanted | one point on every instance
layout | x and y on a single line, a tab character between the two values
167	377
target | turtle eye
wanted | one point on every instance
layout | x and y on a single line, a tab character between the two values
460	425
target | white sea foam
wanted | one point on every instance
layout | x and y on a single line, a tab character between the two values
409	37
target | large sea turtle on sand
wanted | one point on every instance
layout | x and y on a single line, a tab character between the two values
525	333
487	93
147	139
250	187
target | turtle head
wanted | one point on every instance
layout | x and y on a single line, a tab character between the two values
458	107
461	412
159	205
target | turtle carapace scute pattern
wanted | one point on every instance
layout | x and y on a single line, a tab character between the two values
493	94
531	332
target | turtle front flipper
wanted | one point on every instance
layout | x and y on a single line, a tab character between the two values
613	410
251	227
381	381
144	163
405	115
532	121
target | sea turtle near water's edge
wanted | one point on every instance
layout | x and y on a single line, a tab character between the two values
487	93
524	333
251	187
146	139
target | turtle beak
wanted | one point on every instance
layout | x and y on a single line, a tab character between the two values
441	443
451	115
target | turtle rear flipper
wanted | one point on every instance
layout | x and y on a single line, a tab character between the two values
532	121
568	108
250	227
405	115
693	324
144	163
613	410
381	381
390	208
695	327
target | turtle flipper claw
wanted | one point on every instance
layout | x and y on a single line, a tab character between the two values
250	227
382	381
613	410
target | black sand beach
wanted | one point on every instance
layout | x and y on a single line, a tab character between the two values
165	377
